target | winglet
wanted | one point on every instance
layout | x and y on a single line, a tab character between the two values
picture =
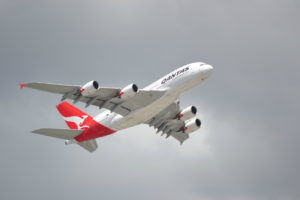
21	85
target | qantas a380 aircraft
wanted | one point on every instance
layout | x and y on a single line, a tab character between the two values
156	105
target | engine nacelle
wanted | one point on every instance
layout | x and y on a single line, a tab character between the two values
128	92
89	88
187	113
191	126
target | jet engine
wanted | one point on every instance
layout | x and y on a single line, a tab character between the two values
187	113
191	125
128	92
89	88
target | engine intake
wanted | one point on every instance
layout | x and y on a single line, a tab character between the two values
89	88
128	92
187	113
191	125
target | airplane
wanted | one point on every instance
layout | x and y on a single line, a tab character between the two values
156	105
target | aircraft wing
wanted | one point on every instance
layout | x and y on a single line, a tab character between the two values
104	97
166	122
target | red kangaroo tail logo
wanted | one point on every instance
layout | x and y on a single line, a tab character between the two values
74	118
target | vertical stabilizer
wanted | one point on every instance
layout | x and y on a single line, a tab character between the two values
74	117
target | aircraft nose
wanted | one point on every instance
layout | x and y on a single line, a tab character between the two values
208	67
207	70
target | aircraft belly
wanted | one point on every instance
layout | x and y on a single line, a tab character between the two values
141	115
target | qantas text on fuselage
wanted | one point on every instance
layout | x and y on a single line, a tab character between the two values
156	105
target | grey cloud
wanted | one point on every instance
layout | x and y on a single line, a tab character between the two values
248	144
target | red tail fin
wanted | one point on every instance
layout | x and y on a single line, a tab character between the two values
75	118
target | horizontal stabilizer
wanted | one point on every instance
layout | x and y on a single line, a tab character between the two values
90	145
65	134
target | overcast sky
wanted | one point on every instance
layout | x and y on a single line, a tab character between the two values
248	145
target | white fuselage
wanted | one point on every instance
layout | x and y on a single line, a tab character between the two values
175	83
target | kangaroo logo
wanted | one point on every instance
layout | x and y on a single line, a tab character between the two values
79	121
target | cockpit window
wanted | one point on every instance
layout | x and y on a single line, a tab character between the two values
202	64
